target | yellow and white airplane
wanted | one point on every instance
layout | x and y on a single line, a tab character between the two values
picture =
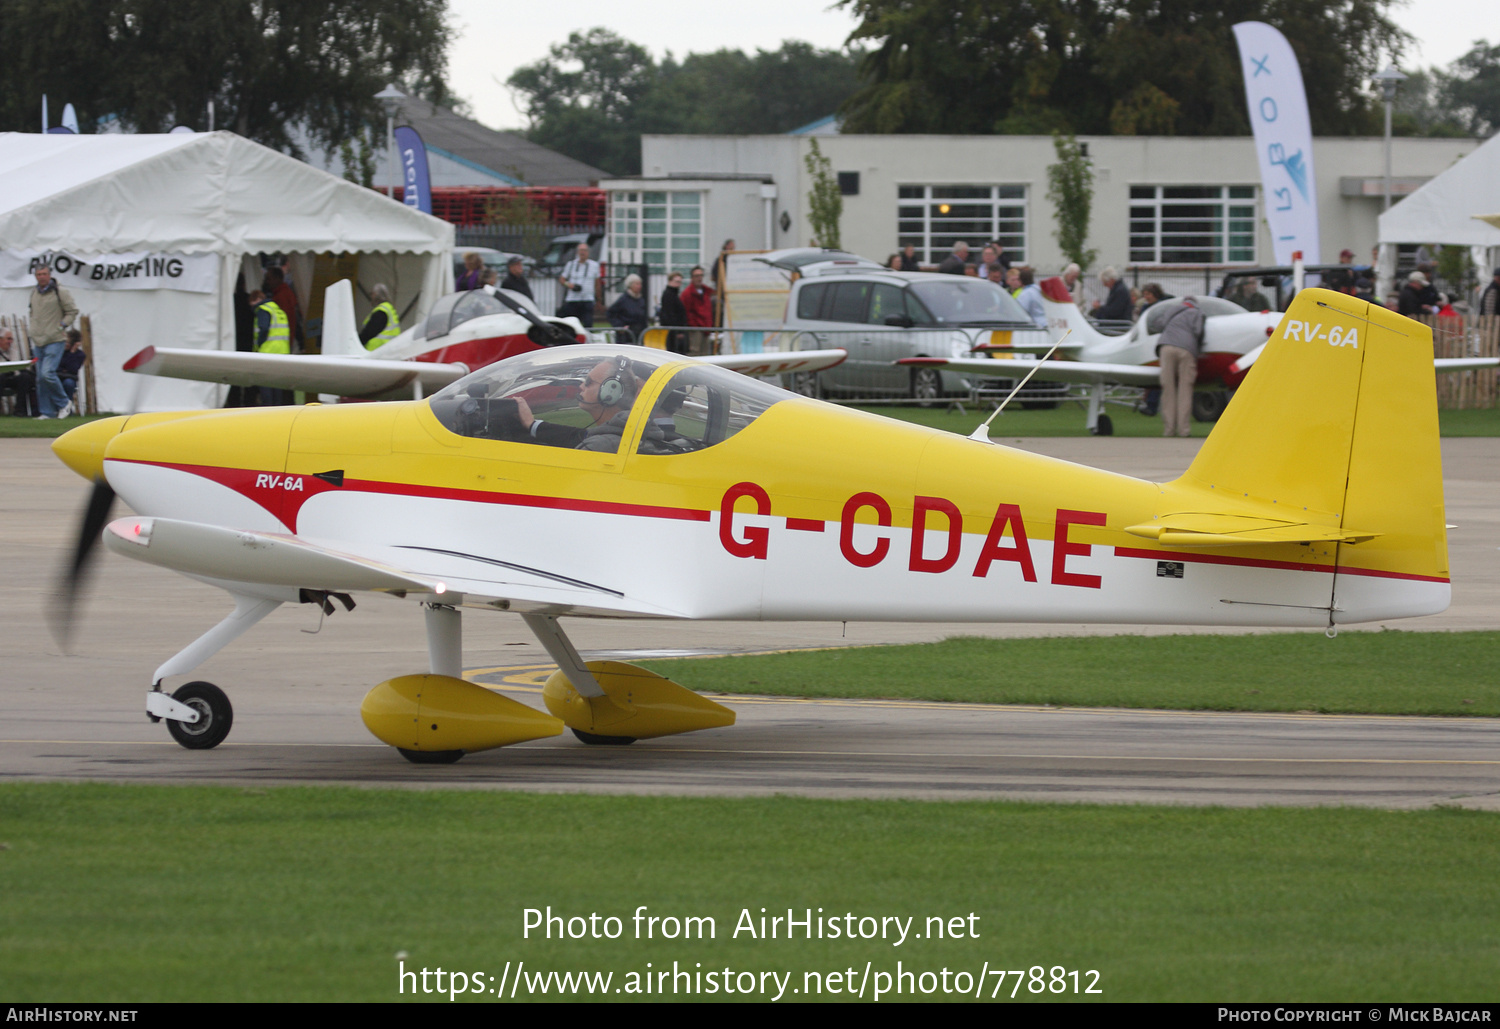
623	482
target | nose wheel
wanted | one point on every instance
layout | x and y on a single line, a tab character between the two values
215	716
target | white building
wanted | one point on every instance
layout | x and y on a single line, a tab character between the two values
1160	203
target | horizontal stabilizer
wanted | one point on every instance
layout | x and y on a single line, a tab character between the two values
310	373
1224	530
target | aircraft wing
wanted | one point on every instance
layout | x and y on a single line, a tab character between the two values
1049	371
280	559
1464	364
311	373
779	363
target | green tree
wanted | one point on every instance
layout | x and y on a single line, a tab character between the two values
1105	66
1472	89
1070	188
1422	107
268	65
593	96
582	98
527	219
825	204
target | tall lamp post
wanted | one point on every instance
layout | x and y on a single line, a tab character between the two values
390	98
1388	79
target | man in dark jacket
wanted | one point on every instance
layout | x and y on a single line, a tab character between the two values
1489	300
955	262
673	313
515	278
629	310
1116	308
1417	297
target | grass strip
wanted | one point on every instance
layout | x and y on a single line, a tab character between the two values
12	427
1397	673
142	893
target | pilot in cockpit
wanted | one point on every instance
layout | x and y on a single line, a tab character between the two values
605	396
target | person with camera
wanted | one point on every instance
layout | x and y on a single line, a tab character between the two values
579	278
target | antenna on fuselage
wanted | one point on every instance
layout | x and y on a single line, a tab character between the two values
982	434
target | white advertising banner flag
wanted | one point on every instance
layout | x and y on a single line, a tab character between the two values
1283	139
191	273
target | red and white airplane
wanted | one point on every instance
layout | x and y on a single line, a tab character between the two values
463	332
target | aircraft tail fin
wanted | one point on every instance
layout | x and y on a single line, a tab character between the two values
340	333
1063	314
1336	426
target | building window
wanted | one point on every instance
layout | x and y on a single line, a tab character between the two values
663	230
933	218
1192	224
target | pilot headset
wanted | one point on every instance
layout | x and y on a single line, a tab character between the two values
616	388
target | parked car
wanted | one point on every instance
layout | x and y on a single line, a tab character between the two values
1274	285
563	249
881	316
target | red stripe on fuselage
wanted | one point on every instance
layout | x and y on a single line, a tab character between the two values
1254	562
285	504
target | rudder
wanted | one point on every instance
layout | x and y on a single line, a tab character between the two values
1336	425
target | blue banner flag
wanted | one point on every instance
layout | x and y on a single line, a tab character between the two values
416	186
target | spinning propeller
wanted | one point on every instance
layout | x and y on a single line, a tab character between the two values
95	517
70	581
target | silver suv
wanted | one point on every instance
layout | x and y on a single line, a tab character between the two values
881	316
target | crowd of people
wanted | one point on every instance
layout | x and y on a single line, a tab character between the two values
687	310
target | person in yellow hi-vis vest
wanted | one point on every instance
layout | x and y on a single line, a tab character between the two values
382	324
273	335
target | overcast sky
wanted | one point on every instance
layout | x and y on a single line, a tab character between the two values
496	37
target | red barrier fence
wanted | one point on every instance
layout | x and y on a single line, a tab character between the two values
563	205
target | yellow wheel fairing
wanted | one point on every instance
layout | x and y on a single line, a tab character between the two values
438	713
638	703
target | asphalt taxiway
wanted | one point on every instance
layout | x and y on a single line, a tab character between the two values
296	694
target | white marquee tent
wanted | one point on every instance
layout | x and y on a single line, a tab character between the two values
1447	210
150	233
